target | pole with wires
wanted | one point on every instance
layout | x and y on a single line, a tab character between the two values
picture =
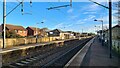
4	21
61	6
110	24
110	27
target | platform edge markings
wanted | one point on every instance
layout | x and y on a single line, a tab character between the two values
82	55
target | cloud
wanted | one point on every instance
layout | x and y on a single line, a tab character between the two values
94	6
60	25
105	26
83	21
79	23
106	19
90	12
69	25
114	11
73	16
44	20
89	18
91	7
70	11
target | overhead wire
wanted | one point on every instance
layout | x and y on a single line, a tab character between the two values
22	5
64	12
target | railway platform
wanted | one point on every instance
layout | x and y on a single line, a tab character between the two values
94	54
29	46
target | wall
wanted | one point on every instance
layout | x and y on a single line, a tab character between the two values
10	42
9	56
115	32
1	42
116	45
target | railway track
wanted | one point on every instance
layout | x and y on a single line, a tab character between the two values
51	55
64	58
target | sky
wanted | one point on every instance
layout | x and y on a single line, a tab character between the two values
76	18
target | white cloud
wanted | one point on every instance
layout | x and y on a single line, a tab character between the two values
92	7
114	11
63	25
106	19
73	16
90	12
44	20
60	25
70	11
83	21
79	23
89	18
69	25
105	26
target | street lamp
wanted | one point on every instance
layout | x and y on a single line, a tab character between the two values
36	31
97	28
102	28
110	23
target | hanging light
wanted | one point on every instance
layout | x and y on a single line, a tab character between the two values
22	8
70	3
30	3
22	11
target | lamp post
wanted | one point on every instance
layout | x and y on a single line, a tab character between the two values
97	28
4	22
36	31
110	23
102	28
110	27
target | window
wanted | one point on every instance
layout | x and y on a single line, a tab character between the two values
51	32
16	31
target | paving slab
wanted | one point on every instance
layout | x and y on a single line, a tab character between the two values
77	59
98	55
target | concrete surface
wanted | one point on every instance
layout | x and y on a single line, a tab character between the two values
98	55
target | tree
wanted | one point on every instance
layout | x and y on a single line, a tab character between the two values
118	13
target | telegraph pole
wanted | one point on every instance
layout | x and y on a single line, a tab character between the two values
4	19
110	24
110	27
4	22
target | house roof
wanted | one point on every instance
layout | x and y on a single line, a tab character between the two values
113	27
45	29
14	27
69	31
59	30
56	30
116	26
34	28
